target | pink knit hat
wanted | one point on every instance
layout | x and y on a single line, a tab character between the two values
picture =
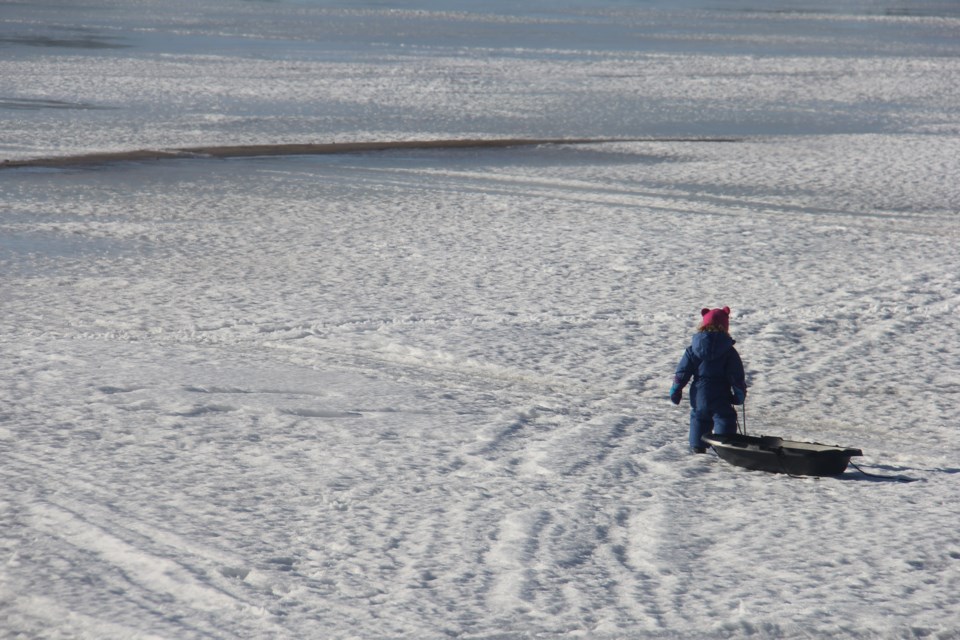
716	317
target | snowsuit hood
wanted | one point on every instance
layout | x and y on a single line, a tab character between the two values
710	345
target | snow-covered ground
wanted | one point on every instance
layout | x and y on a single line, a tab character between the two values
423	394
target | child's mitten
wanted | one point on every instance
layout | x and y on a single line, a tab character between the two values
676	394
739	395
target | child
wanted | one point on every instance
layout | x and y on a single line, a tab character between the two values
718	378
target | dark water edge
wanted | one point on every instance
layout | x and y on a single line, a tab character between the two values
271	150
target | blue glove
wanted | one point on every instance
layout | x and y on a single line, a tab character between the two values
676	394
739	395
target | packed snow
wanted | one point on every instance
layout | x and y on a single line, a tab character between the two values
423	393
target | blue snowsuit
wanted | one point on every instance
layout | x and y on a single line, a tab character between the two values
718	383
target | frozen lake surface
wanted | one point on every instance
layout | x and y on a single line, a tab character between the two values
423	393
121	75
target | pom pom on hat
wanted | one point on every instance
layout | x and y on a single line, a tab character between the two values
716	318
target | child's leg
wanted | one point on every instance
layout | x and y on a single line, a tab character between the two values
725	421
699	426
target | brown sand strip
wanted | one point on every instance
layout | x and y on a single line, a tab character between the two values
249	151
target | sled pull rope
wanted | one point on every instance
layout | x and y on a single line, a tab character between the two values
742	429
744	415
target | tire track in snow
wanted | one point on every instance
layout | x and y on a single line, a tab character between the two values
666	553
612	521
159	575
89	541
662	198
560	550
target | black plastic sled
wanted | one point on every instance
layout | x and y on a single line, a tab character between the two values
776	455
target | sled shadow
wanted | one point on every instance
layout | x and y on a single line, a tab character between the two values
857	472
